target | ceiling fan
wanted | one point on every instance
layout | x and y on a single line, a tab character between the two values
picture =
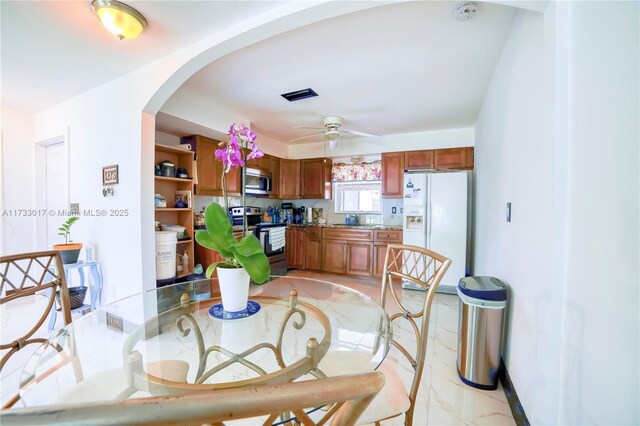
332	131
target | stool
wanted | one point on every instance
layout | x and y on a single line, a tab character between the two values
95	287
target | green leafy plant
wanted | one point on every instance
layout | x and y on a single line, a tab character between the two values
65	229
246	253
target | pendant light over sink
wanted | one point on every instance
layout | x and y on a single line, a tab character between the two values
119	19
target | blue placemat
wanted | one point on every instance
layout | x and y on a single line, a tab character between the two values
217	311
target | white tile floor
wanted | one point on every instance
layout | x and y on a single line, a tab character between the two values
442	398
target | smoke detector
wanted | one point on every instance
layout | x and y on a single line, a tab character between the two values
466	11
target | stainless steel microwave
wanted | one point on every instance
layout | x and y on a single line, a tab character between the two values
258	182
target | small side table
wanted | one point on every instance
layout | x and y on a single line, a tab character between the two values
95	287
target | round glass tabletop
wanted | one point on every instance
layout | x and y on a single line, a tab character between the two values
169	341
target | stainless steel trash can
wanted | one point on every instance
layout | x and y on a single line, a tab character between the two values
480	321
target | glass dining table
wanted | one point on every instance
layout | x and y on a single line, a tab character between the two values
173	340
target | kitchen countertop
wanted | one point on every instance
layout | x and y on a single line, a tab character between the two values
235	228
342	225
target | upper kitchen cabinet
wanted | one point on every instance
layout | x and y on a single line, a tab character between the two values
209	170
316	178
392	174
262	163
454	159
275	178
418	160
289	179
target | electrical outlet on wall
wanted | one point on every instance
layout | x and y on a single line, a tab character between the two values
393	210
508	212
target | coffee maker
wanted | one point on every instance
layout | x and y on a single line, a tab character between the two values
287	212
298	215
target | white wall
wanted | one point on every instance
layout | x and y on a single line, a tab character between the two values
558	137
18	180
448	138
600	367
512	164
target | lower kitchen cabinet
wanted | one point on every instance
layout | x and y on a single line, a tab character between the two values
313	255
339	251
380	251
382	238
295	249
300	237
359	258
334	256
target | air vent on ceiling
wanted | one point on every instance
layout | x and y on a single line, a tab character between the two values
299	94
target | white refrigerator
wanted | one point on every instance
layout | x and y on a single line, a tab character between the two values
435	216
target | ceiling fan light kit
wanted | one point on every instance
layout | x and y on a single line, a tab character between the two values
119	19
332	131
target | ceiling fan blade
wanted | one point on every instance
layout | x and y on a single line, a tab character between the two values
353	132
306	127
307	137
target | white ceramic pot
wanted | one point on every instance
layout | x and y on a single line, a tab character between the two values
234	288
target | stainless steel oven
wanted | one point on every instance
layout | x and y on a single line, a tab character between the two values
271	238
258	182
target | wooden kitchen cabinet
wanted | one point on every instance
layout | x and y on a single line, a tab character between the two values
262	163
347	251
359	258
379	253
334	254
300	242
392	174
382	238
289	246
275	178
454	159
209	170
289	179
207	165
419	160
315	176
295	247
313	247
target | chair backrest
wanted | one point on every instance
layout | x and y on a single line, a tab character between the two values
424	268
30	274
353	393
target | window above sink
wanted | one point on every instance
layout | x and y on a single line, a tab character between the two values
358	197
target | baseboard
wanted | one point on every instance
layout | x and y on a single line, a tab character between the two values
512	397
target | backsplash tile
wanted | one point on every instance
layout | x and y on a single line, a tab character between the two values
328	206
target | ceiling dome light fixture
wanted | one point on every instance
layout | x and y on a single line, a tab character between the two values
119	19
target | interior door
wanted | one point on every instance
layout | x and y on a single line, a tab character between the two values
57	191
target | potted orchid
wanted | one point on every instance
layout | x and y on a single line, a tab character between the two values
244	259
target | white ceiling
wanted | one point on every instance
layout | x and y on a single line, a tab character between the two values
392	69
54	50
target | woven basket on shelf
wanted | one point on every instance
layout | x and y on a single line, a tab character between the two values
76	297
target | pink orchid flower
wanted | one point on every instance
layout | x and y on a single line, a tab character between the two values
231	154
